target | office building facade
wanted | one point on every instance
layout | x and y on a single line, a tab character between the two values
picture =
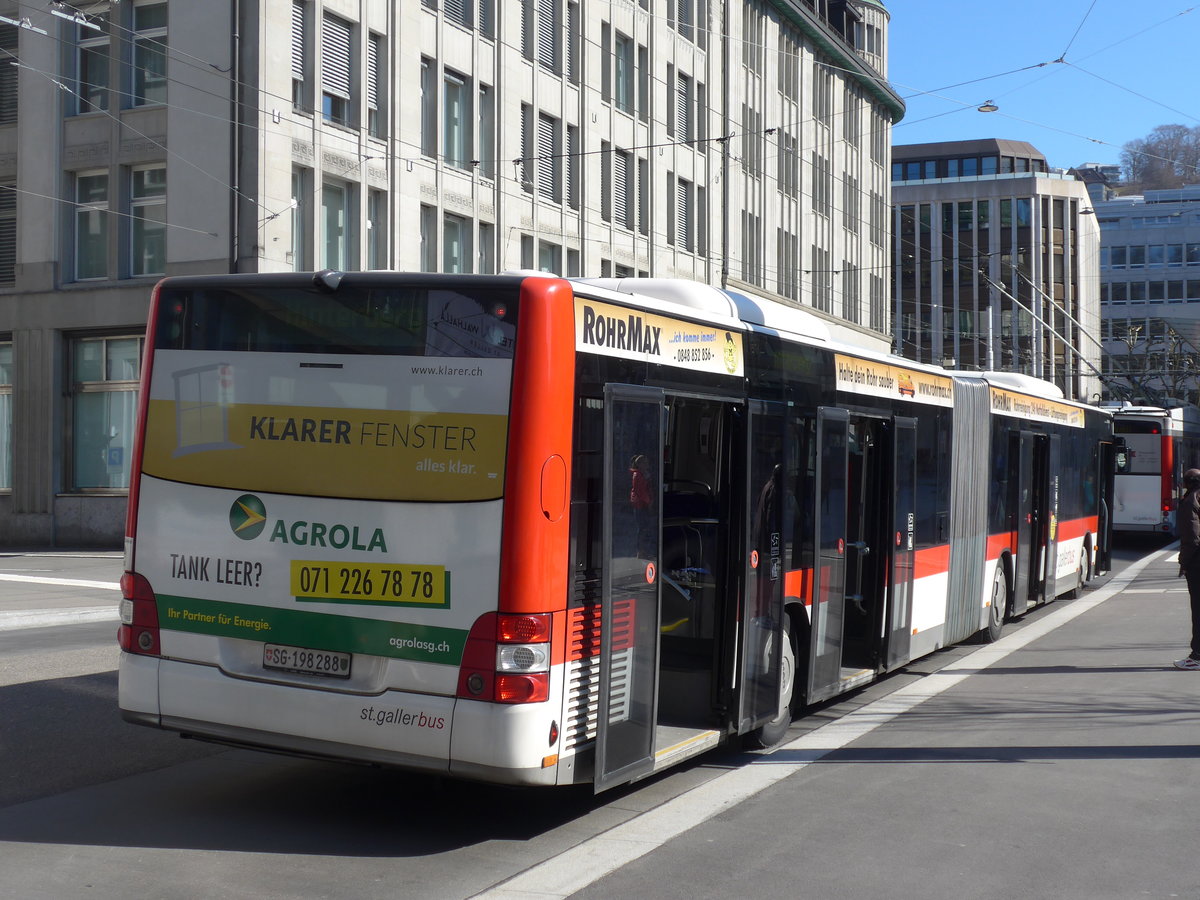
1150	295
996	263
741	145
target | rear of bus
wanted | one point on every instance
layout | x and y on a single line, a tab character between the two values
327	472
1144	488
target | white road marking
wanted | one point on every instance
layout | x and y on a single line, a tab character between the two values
63	582
591	860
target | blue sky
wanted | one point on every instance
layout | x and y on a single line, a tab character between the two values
1128	68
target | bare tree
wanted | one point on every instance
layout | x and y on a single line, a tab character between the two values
1168	157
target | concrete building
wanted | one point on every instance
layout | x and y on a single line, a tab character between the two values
738	144
996	263
1150	295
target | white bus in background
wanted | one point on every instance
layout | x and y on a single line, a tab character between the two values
1160	445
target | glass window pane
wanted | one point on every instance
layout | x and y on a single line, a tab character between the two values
123	356
93	77
103	437
333	222
149	234
91	243
89	361
149	183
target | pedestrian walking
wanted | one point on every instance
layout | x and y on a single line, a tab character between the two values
1187	528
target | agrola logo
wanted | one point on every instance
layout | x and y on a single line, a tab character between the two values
247	517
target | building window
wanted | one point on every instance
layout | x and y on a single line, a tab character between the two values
683	215
456	244
338	238
571	165
572	64
549	34
8	74
375	86
683	104
91	225
6	370
91	69
302	212
104	395
8	233
456	120
643	190
428	238
549	163
487	131
428	107
301	55
624	78
377	257
460	12
549	257
150	54
487	249
623	188
148	220
336	70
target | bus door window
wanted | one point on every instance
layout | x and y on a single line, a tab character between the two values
867	504
695	536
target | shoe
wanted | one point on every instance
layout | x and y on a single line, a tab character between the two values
1187	663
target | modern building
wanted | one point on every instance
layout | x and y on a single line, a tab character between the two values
1102	179
1150	295
739	144
996	263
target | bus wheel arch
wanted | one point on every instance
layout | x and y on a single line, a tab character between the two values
999	604
792	661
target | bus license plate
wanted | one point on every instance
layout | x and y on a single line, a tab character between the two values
309	662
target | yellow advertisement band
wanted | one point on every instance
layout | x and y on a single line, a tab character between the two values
356	453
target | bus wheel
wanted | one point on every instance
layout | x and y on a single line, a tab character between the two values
998	608
772	732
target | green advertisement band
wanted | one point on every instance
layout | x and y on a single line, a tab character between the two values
316	631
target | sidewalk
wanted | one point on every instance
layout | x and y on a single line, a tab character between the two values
1062	761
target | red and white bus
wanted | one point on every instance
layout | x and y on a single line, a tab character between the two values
1159	446
537	531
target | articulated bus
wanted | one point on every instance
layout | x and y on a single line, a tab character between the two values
1159	446
536	531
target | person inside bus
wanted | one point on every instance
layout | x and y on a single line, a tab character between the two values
1187	528
641	498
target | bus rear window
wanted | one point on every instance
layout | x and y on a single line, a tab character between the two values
394	320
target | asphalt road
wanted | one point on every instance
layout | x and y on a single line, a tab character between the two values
1067	768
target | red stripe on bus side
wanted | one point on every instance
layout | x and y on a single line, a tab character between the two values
534	570
1077	528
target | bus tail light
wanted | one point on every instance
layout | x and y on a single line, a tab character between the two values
138	632
507	659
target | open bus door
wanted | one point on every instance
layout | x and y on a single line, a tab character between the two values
1050	528
630	605
1031	505
829	577
761	619
1109	452
904	514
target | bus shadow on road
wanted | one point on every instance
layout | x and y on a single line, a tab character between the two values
74	773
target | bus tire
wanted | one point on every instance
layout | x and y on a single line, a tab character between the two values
998	610
773	732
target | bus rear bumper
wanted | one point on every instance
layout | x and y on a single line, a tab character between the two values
406	730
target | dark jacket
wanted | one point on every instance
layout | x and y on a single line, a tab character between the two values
1187	528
